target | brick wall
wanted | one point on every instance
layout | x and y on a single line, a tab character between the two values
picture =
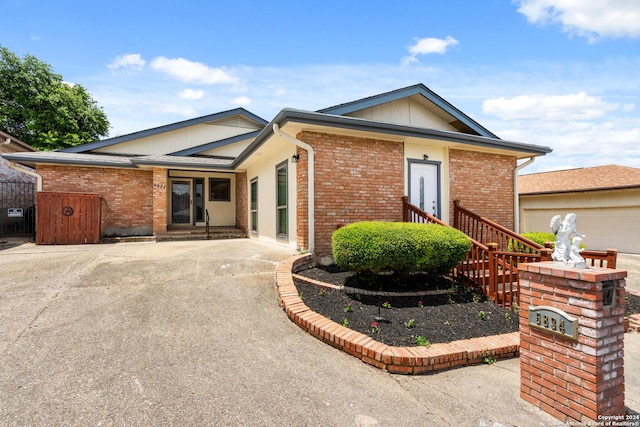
128	201
483	183
160	184
577	380
242	202
356	179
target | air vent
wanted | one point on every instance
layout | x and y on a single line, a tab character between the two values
236	122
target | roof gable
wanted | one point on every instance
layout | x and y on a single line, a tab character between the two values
581	179
438	107
237	118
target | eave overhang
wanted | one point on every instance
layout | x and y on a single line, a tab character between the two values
311	119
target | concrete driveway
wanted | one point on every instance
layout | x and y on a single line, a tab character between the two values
190	333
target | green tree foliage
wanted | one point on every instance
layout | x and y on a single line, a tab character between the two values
39	108
373	246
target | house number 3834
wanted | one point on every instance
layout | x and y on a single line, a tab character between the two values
552	320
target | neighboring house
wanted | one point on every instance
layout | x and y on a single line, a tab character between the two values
17	192
300	176
10	144
606	200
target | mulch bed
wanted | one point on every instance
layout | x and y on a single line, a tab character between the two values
436	308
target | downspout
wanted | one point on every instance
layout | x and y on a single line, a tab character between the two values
310	177
516	198
28	171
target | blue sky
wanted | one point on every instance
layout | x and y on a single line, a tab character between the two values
559	73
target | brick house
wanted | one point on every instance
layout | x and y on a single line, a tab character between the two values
17	190
297	178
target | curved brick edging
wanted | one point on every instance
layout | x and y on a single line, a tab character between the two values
400	360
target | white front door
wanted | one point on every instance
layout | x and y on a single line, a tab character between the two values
424	186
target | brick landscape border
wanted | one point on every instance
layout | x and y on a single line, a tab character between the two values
397	360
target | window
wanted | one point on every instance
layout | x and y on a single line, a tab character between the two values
253	208
219	190
281	195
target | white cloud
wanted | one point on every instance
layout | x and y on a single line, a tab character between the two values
180	110
35	37
191	94
577	106
190	71
241	101
586	18
131	61
427	46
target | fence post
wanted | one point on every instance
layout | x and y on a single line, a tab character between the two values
612	257
493	270
405	212
455	214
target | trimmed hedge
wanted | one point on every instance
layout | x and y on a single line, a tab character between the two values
375	246
540	237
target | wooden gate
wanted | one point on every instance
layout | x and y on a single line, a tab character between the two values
67	218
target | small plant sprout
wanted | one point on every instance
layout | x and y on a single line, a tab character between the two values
477	297
488	358
507	316
446	322
358	297
516	308
482	315
420	304
345	322
348	308
322	292
421	341
374	327
410	323
386	304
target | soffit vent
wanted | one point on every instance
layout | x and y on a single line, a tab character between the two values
235	121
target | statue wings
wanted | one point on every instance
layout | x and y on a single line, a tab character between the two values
556	223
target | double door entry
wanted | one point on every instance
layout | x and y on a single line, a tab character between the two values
187	201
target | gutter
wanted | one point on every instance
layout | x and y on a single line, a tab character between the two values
310	177
28	171
516	196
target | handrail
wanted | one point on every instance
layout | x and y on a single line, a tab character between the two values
487	231
492	262
468	270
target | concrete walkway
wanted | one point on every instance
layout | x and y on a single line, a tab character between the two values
190	333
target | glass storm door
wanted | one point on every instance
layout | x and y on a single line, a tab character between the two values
181	201
424	184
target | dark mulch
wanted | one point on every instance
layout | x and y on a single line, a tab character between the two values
448	313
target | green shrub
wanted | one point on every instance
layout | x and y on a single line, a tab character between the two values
540	237
374	247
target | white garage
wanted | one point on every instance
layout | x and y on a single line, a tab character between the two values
606	200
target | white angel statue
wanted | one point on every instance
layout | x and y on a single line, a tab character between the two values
565	231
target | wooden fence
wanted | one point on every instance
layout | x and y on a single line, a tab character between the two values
67	218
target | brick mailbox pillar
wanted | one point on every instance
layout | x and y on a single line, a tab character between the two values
572	341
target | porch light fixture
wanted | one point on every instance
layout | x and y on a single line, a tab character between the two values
425	157
295	158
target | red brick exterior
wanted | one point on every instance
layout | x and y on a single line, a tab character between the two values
242	202
160	198
127	200
575	381
483	183
356	179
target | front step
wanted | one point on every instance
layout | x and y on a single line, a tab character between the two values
200	233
